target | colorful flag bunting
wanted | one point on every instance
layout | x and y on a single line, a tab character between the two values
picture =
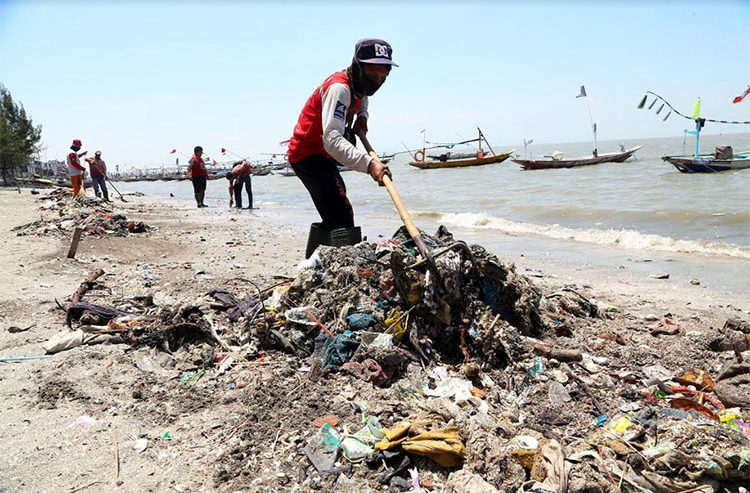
583	93
741	96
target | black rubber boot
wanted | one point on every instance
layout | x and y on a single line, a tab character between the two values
346	236
319	235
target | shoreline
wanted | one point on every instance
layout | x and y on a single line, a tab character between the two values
721	279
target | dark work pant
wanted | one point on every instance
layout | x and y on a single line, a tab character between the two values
322	179
98	182
199	184
238	182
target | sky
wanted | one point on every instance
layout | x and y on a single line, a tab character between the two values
138	79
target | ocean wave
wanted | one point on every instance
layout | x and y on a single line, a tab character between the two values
621	238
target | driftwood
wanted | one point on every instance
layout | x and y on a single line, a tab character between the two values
560	354
86	285
74	242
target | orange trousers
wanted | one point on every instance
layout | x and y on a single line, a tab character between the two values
77	182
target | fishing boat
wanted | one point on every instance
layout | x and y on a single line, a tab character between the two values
459	163
709	163
557	161
443	161
452	155
723	159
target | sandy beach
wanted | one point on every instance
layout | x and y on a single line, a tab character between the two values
77	421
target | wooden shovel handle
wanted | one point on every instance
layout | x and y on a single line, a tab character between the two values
400	207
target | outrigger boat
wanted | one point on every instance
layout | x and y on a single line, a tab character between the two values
443	161
709	163
559	162
723	158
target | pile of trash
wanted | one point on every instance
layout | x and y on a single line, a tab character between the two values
490	395
62	213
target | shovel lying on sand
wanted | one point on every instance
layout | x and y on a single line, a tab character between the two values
405	216
116	190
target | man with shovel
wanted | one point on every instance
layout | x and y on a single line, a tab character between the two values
324	138
98	169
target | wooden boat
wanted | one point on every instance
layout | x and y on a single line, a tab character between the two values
460	163
445	161
452	155
608	157
708	163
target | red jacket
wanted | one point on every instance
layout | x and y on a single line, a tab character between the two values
307	138
197	166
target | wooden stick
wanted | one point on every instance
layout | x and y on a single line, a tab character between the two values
586	390
604	465
493	322
276	439
74	242
86	285
117	454
624	471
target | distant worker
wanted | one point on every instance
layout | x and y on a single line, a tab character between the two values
198	175
242	173
324	138
98	170
75	169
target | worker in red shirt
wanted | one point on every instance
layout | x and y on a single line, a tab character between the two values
75	169
98	170
198	175
241	176
324	138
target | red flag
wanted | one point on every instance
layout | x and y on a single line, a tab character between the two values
741	96
173	151
284	142
223	151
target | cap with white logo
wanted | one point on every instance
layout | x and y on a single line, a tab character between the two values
371	50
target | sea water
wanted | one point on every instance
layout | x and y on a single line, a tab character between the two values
641	211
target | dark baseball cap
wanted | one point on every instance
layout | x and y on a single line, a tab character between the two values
372	50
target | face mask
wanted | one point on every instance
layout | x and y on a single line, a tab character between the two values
369	86
363	85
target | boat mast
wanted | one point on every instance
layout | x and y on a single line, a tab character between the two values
591	119
481	136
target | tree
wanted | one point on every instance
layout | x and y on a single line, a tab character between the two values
19	138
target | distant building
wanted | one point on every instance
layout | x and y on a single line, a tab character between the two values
45	168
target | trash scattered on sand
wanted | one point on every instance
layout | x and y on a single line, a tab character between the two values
470	380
